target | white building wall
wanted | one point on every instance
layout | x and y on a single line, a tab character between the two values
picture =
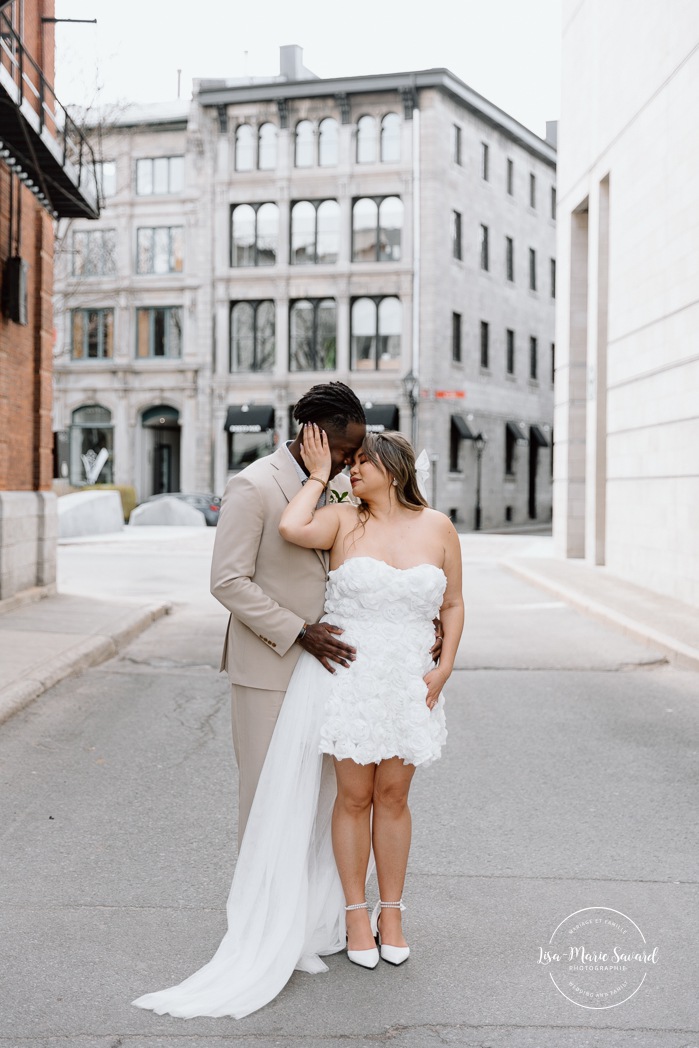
627	470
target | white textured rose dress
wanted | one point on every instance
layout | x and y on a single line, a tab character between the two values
376	708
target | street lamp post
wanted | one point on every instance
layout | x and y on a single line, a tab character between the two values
479	442
411	386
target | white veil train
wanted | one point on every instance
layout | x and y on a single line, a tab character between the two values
286	905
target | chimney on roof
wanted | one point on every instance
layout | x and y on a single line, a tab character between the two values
552	133
291	62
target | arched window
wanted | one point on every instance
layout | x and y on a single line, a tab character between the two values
313	335
267	147
304	144
390	139
376	334
377	229
389	333
303	233
91	446
390	229
244	148
252	336
366	140
254	235
315	232
328	231
327	142
365	220
267	234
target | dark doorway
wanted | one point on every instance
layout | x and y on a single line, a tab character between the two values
161	429
533	463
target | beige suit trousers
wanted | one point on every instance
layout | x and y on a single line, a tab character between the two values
254	713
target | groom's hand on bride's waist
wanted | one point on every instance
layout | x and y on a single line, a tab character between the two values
321	640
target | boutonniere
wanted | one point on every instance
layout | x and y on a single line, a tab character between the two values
338	496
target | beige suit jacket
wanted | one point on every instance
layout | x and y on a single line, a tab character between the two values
269	586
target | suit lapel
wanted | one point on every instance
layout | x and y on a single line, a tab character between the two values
288	480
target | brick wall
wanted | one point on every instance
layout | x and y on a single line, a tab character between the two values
26	438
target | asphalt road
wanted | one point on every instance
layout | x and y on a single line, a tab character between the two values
569	782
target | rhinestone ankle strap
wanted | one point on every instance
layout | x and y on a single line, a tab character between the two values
392	905
358	906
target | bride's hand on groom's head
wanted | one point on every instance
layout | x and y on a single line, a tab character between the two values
315	450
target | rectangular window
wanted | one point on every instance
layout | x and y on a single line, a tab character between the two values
553	277
159	176
510	177
532	190
456	234
105	171
456	144
485	347
533	355
159	249
532	269
159	332
509	258
456	337
485	256
94	252
553	202
484	161
92	334
510	351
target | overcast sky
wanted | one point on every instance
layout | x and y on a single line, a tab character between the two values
507	50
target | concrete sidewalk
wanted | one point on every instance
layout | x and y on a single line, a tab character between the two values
650	618
45	641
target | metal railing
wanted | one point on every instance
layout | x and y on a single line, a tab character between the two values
27	82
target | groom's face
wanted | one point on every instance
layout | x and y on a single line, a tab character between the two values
343	444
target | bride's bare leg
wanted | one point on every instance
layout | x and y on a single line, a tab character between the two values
391	839
351	834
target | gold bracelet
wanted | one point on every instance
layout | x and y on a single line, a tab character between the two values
312	477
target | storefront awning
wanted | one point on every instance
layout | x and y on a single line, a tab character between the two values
519	434
249	418
539	437
380	417
462	427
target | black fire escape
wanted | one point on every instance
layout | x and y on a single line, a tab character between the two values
39	141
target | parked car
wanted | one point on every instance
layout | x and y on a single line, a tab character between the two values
210	505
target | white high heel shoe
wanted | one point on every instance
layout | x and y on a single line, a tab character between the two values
364	958
392	954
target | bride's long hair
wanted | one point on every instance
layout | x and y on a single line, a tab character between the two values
391	451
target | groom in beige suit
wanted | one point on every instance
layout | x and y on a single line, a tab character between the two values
273	589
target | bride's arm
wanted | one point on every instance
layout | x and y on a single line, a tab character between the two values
301	523
451	615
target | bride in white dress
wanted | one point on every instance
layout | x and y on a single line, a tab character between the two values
317	826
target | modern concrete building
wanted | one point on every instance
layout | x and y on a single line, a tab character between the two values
394	231
46	171
627	370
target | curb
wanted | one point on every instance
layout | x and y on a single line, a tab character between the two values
682	655
90	651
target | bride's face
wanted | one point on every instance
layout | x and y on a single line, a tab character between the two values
366	478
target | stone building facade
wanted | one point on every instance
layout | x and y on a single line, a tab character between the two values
627	417
393	231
